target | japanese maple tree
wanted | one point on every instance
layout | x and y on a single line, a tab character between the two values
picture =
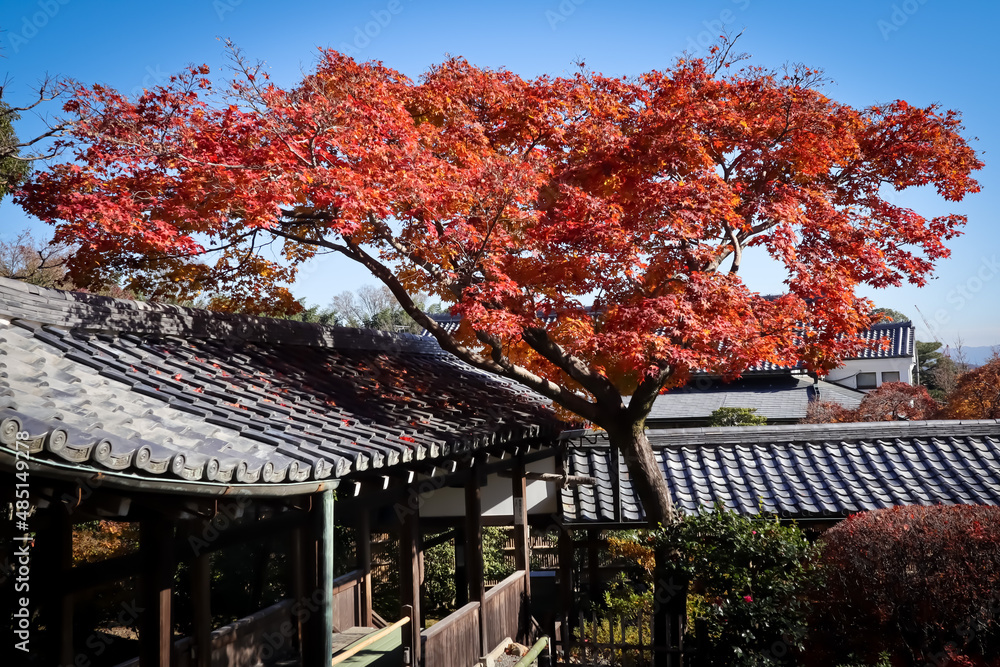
589	230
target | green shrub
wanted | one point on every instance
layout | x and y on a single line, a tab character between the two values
748	582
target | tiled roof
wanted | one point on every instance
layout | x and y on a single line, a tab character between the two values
802	471
779	398
175	394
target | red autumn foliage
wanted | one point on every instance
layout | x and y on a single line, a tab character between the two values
977	394
922	583
896	401
621	205
892	401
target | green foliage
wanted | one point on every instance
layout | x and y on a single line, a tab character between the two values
13	169
736	417
889	315
439	579
748	580
496	564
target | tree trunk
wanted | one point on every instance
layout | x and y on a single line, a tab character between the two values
647	477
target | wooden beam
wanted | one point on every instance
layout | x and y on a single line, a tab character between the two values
411	576
474	551
156	549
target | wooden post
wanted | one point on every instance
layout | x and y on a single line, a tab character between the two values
522	543
156	549
299	573
461	575
364	552
594	564
474	551
54	558
566	596
201	601
317	646
669	610
410	577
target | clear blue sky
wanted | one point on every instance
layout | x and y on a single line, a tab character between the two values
922	51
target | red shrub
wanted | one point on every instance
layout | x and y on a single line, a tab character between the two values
896	401
922	583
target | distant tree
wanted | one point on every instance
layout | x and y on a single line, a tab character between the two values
826	412
317	315
977	393
896	401
927	360
376	308
736	417
15	162
35	262
888	315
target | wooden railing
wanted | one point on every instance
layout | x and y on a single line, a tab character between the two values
504	610
348	600
454	641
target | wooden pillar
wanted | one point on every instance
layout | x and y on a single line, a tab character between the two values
461	575
410	577
594	564
201	602
670	589
522	535
474	551
317	645
299	573
156	549
53	560
567	603
364	552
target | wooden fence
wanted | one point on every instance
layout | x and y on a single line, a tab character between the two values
505	612
349	601
454	641
609	640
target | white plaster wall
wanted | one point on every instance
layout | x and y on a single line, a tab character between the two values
542	497
845	374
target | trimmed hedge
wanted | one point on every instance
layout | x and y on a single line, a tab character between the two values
919	583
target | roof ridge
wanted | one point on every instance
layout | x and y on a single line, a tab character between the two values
104	314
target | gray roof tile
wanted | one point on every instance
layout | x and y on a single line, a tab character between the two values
181	394
804	471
